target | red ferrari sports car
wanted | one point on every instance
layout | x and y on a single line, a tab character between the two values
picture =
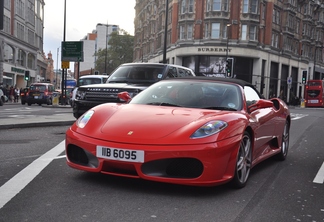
197	131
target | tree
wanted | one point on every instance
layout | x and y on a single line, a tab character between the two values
119	51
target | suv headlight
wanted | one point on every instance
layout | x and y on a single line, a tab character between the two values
80	95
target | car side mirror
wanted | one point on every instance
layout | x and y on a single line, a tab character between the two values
124	96
260	104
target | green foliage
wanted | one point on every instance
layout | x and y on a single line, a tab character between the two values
119	51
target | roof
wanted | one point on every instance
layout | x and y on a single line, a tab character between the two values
93	76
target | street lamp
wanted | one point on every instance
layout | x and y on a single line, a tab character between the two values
165	30
57	58
63	70
106	42
227	33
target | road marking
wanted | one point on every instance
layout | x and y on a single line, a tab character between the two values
320	175
295	116
13	186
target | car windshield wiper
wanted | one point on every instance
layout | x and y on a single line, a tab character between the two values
220	108
162	104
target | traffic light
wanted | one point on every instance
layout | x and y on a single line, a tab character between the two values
27	75
304	77
229	68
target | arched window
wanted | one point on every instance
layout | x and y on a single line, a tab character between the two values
9	54
21	60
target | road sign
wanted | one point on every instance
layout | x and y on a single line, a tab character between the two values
65	65
289	80
72	51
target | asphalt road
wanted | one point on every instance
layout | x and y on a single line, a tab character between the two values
37	185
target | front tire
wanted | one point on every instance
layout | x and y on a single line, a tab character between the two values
243	162
284	143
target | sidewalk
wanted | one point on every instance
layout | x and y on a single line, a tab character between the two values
62	119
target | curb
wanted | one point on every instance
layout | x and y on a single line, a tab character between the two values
39	124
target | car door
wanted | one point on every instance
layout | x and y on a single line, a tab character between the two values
262	120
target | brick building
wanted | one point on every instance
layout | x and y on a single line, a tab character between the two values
270	41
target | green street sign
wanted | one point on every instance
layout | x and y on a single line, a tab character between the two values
72	51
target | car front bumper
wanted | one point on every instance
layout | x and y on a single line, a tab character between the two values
198	164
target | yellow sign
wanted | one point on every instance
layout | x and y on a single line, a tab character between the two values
65	64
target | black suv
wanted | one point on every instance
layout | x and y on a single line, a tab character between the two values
130	77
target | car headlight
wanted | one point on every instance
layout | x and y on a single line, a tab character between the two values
209	129
80	94
84	119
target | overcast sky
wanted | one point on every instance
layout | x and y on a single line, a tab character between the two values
82	16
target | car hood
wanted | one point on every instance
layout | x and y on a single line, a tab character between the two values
133	123
115	85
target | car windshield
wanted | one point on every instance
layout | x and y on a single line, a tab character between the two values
136	74
192	94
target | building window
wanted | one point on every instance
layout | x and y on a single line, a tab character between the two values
297	26
185	32
274	39
276	16
182	32
189	31
6	24
20	31
31	13
21	57
31	37
252	32
250	6
20	8
215	30
7	4
186	6
244	32
217	5
191	6
183	6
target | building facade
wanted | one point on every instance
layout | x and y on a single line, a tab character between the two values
270	41
21	42
92	42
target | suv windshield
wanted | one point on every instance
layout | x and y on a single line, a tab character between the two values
89	81
137	74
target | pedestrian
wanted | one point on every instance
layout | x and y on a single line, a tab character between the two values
17	92
11	94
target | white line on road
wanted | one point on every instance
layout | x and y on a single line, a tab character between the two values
13	186
320	175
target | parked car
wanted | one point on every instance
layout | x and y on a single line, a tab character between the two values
201	131
2	98
131	77
23	95
87	80
40	93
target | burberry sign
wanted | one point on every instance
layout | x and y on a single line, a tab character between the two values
213	49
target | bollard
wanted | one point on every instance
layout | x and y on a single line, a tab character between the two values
55	101
302	103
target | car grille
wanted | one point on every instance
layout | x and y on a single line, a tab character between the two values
102	96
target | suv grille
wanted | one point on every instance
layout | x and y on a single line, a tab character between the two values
104	96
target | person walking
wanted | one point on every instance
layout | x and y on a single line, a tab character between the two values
11	94
17	92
